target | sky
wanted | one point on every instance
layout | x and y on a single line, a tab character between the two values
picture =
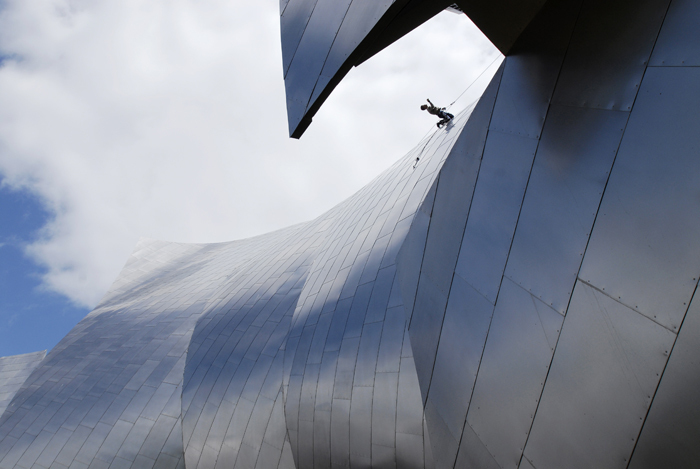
166	119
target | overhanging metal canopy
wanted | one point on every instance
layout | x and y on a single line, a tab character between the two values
323	39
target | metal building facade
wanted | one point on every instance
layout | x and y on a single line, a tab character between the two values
521	298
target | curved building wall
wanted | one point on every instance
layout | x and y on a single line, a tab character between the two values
553	317
518	291
287	349
14	371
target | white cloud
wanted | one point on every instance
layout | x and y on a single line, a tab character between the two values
167	119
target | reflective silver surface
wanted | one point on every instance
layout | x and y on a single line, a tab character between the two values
522	297
669	435
606	349
568	178
14	371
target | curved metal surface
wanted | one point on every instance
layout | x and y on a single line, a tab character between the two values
519	298
323	39
221	355
14	371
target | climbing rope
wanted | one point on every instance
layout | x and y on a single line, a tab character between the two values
433	133
475	80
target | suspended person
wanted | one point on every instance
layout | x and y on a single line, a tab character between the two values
438	111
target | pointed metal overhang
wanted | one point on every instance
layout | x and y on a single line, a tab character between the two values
323	39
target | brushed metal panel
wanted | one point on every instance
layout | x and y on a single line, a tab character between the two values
360	426
409	450
14	370
409	260
568	177
501	21
376	310
340	433
608	54
366	364
455	186
384	411
444	446
389	356
361	17
322	438
643	249
525	464
605	370
498	195
531	70
409	406
425	330
677	44
308	393
670	433
324	391
346	368
472	452
516	359
462	340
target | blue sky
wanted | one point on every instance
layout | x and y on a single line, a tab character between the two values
129	119
32	318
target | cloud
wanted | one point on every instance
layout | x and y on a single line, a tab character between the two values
167	119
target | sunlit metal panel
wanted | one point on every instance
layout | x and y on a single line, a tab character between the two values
602	380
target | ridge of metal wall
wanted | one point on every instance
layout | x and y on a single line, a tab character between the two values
571	221
346	365
14	370
218	355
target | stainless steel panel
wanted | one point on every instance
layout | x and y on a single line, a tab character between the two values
14	371
366	364
669	435
409	261
531	70
679	36
384	411
383	456
340	433
427	448
472	452
518	351
445	235
192	332
346	368
425	328
389	357
324	391
358	311
409	405
643	249
269	457
608	53
360	426
376	255
337	328
409	450
525	464
276	430
455	187
604	373
571	168
255	431
308	393
376	310
498	195
361	17
462	340
322	438
443	444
